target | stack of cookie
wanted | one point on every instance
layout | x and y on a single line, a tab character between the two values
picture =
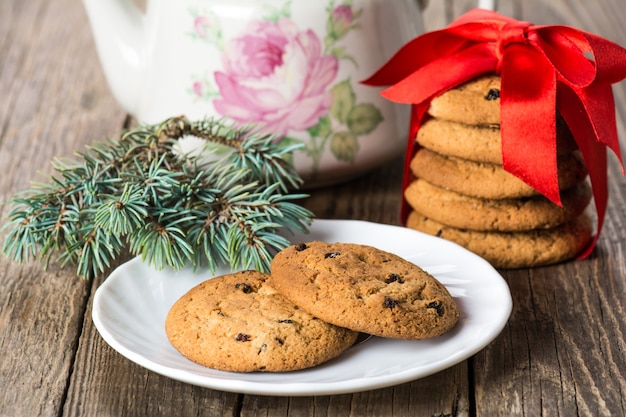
462	193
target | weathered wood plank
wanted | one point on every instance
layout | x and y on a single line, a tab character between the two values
378	199
39	330
442	394
562	352
51	104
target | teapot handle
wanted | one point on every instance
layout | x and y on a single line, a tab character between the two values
487	4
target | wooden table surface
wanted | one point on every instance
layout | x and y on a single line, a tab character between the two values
562	353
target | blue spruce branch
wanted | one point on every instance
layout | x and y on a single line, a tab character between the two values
234	208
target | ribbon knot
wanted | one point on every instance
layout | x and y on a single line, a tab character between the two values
545	71
511	32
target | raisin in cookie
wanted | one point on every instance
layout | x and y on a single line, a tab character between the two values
238	323
514	249
364	289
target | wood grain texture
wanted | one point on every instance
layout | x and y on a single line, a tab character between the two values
54	100
378	198
563	352
443	394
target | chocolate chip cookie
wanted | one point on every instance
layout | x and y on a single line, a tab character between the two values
364	289
238	323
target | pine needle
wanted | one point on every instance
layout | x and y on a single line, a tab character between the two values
171	209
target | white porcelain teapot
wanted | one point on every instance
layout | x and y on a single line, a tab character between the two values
291	67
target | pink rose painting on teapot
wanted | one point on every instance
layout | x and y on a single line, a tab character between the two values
284	78
291	68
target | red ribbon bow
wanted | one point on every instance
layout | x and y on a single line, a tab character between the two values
541	68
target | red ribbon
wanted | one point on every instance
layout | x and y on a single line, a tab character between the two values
542	68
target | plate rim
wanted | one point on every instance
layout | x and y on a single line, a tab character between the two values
299	388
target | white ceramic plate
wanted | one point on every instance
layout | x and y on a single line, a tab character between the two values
130	307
